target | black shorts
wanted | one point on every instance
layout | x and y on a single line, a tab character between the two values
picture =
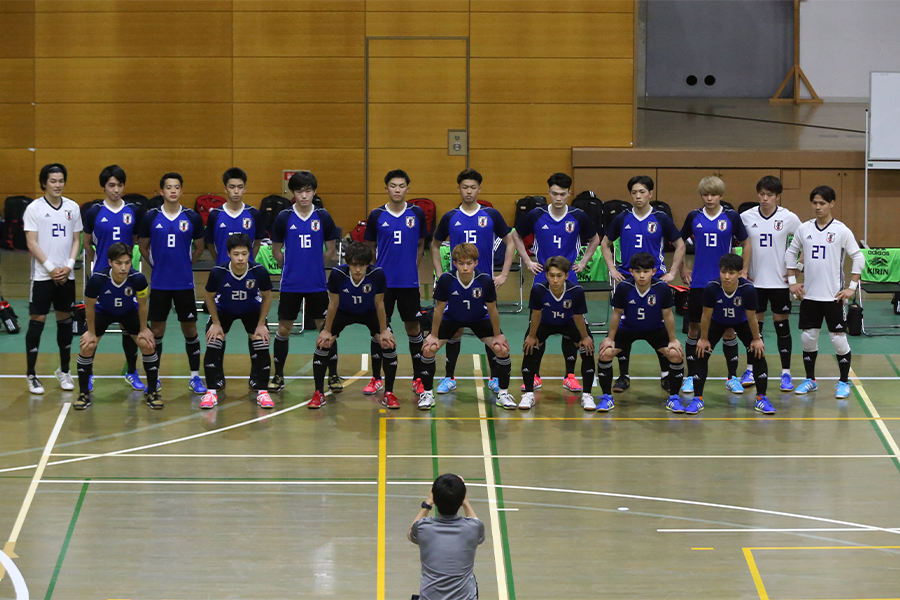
779	298
161	303
343	318
481	329
717	330
407	300
695	305
813	311
569	332
250	321
657	338
290	303
130	322
45	294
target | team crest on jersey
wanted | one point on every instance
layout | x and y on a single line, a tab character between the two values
183	225
410	222
779	225
68	215
651	227
126	218
651	300
476	292
250	284
128	291
570	226
315	225
367	287
567	304
248	222
738	301
722	225
829	237
482	221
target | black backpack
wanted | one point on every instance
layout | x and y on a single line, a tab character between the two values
664	208
612	208
88	206
155	202
140	204
592	206
269	209
523	207
14	215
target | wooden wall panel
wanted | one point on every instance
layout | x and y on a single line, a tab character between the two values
600	6
125	6
299	5
518	172
17	35
16	6
526	80
417	80
127	80
299	34
416	48
431	171
581	35
338	171
413	125
133	126
678	188
18	173
430	6
277	79
16	80
299	125
549	125
132	34
437	24
16	126
609	184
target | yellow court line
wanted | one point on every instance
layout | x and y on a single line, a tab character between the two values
754	572
879	421
382	504
704	418
702	548
823	548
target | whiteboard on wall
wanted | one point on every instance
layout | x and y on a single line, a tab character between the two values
884	111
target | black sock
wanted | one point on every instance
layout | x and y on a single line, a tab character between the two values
130	347
377	353
844	366
320	365
530	365
663	365
64	341
491	360
212	365
192	347
504	366
280	353
151	369
785	342
252	350
415	351
732	356
427	372
390	368
33	343
676	377
624	361
452	349
158	346
262	363
690	353
85	370
570	353
701	364
761	374
333	360
587	373
809	363
604	376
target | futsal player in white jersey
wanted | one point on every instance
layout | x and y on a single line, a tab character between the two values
770	228
52	228
824	243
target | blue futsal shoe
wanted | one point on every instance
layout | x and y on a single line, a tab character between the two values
494	385
747	379
808	385
734	386
688	386
446	385
787	384
196	385
135	380
606	403
91	384
695	406
674	404
764	406
843	389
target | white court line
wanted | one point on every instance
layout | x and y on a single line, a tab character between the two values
499	563
149	454
365	363
499	456
770	530
881	426
15	575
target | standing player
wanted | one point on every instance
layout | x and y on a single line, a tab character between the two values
557	306
824	243
356	295
171	239
51	223
105	224
240	290
713	229
398	231
729	302
642	310
559	230
770	228
298	236
466	298
232	217
641	230
116	294
485	227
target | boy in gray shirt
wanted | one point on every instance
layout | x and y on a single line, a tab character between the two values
447	542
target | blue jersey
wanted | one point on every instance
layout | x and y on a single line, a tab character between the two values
642	312
238	295
557	237
220	224
646	234
465	303
485	229
107	227
303	238
397	243
171	245
357	298
113	299
730	309
558	310
712	239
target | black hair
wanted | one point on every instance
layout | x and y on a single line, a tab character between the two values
301	180
358	253
731	263
51	168
825	192
770	183
238	240
448	491
118	249
560	179
644	180
234	173
643	260
162	180
469	174
396	174
110	172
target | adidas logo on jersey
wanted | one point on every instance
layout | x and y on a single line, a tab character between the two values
159	226
107	292
809	237
754	226
457	223
719	301
546	304
293	227
699	225
632	302
628	227
385	224
545	227
221	225
104	220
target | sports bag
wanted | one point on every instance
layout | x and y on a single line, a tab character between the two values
269	209
205	203
10	320
14	215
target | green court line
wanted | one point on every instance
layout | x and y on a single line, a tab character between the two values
65	546
434	451
495	461
875	427
893	366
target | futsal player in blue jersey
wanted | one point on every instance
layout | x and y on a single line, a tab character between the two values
466	298
116	294
298	236
105	224
239	291
397	231
486	228
232	217
171	239
729	302
557	307
713	228
642	310
356	296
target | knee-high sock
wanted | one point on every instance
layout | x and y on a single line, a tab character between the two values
280	353
587	373
151	369
452	349
212	365
702	370
809	363
427	373
731	352
415	351
624	361
531	364
751	360
390	368
64	341
85	370
604	376
492	360
33	343
376	352
130	347
262	363
504	366
252	350
690	353
320	365
844	366
663	365
785	342
761	374
676	377
158	347
333	360
192	348
570	354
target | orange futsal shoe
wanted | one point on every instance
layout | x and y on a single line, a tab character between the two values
318	400
375	386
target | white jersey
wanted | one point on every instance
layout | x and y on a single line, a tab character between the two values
824	251
56	228
769	237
